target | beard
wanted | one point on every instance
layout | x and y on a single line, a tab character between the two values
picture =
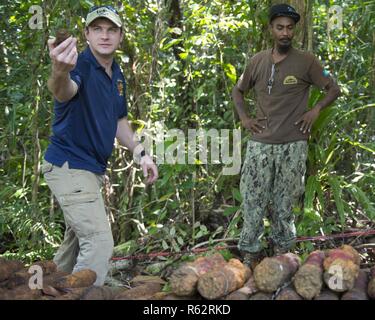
284	46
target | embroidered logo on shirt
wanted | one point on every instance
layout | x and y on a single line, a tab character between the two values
290	80
326	73
120	87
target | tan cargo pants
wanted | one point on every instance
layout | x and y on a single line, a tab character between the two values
88	241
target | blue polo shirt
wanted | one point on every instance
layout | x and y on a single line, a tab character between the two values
85	127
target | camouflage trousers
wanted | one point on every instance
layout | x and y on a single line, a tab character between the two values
272	183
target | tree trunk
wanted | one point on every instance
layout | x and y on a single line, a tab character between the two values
37	153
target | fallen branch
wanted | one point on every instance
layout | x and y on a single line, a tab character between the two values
213	241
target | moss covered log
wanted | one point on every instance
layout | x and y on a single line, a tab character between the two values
79	279
341	268
8	268
359	291
288	293
223	280
245	292
308	280
185	279
261	296
371	284
327	294
272	273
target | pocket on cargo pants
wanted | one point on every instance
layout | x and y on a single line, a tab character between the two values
46	167
78	193
84	207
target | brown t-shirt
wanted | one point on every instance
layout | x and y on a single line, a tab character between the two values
283	100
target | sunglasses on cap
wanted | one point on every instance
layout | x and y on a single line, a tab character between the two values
99	7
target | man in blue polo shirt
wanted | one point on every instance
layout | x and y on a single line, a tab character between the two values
90	112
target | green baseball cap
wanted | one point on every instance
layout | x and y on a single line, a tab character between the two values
107	12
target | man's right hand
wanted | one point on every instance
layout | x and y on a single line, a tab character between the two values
64	56
64	59
253	124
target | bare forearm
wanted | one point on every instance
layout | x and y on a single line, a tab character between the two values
332	94
64	58
125	135
62	86
239	103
